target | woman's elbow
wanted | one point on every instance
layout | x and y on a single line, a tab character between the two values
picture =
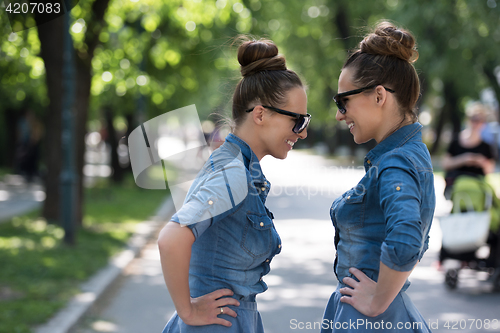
162	241
174	236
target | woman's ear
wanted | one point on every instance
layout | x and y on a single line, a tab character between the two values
380	95
258	114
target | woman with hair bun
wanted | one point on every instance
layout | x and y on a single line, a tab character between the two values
382	224
219	245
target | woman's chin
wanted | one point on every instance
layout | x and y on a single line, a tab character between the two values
360	140
281	155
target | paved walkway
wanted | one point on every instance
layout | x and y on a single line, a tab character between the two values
301	278
17	197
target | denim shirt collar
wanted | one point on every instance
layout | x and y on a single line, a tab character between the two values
395	140
250	159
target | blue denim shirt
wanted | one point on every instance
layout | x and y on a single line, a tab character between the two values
235	235
387	216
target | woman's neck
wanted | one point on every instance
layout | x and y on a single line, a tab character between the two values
470	138
251	139
403	122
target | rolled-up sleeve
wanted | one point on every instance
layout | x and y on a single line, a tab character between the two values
217	195
400	197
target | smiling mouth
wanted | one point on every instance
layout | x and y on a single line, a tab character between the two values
291	143
351	125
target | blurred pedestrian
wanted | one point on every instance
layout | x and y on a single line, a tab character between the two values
468	154
29	135
219	245
381	225
468	160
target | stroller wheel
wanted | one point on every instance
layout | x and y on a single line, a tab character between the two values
451	278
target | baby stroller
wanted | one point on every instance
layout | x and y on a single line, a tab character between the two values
476	211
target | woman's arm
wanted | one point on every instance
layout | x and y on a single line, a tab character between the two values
488	165
400	189
373	298
175	242
466	159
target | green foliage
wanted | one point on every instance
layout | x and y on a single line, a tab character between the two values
156	56
21	69
457	41
40	274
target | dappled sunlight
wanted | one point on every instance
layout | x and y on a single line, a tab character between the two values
305	242
307	294
147	270
301	278
104	326
429	274
309	175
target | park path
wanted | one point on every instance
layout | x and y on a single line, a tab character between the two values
301	278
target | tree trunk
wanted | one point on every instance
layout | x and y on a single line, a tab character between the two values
489	71
438	130
51	51
9	146
51	39
341	24
451	99
450	110
113	140
82	94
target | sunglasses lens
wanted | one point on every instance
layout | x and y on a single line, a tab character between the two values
340	104
301	124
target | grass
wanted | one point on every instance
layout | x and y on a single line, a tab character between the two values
39	273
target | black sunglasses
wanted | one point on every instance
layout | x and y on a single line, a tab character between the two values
339	97
301	120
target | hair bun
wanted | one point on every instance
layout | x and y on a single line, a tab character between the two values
388	40
257	56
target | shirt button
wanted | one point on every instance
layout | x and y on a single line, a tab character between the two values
263	189
210	202
279	246
265	183
369	162
267	260
398	188
348	197
261	224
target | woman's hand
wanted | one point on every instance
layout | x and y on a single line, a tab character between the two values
175	243
473	159
362	294
205	310
373	298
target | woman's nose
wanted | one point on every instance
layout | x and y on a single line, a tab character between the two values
339	116
303	134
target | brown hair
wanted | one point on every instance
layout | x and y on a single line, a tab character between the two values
265	79
386	57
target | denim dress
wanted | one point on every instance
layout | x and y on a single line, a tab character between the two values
235	237
385	218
